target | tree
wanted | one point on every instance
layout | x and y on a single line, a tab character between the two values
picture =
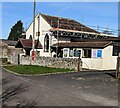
16	31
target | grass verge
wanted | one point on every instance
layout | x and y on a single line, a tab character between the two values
32	69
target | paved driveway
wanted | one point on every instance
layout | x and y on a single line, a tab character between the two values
73	89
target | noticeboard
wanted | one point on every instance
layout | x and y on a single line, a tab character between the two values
99	53
96	53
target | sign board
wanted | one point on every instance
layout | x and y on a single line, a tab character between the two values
96	53
99	53
37	33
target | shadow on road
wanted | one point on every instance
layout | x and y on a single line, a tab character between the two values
111	74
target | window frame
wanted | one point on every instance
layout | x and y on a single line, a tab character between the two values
87	55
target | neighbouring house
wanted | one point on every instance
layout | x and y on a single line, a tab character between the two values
5	46
3	49
8	50
67	38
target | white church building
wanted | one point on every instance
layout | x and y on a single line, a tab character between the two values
67	38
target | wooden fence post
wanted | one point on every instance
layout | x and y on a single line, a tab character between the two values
79	64
117	68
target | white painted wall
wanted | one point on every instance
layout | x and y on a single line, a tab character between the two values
108	61
92	63
44	28
30	29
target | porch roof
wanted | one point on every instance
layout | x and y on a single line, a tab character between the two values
9	42
27	44
92	44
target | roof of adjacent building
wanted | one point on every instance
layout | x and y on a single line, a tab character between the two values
65	23
3	44
113	39
9	42
90	44
27	44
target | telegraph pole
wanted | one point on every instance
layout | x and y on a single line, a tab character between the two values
33	41
57	39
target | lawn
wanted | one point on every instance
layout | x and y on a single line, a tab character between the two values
32	69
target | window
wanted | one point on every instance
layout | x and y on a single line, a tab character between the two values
77	53
65	53
30	37
116	50
71	53
46	43
87	53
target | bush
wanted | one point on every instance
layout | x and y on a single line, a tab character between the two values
4	60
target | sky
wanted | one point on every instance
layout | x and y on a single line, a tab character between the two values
92	14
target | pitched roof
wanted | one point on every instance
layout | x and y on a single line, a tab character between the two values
113	39
91	44
27	43
65	23
3	44
9	42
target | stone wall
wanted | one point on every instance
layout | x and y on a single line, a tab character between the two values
50	62
13	54
13	58
3	50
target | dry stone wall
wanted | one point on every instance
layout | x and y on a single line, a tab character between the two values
50	62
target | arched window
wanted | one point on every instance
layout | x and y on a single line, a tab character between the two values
46	43
30	37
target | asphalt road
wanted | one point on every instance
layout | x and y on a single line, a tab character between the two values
70	89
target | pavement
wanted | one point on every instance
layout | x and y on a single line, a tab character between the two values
67	89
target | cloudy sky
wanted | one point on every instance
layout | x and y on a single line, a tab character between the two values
92	14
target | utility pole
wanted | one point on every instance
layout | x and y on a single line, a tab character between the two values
33	42
57	38
38	34
119	32
98	28
82	23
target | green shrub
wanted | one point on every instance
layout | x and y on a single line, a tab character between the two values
4	60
